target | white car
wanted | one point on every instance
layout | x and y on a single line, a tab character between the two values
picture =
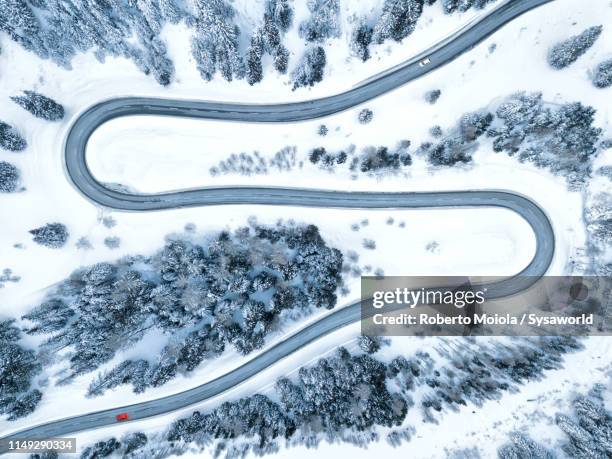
424	62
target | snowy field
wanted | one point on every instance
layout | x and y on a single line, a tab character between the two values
157	154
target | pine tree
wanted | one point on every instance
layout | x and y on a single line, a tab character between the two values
40	106
281	59
602	77
9	177
254	69
567	52
10	139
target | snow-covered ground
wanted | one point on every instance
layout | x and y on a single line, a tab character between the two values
154	154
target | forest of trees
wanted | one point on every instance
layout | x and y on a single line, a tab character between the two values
568	51
229	289
342	397
59	29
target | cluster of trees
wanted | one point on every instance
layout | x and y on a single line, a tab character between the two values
323	22
342	392
478	377
458	146
40	106
568	51
450	151
215	42
369	160
255	164
58	30
398	20
522	446
9	177
278	17
231	289
132	29
560	138
310	68
450	6
344	396
49	454
381	159
10	139
110	28
321	156
598	219
588	432
321	25
254	416
52	235
18	368
130	445
101	449
602	76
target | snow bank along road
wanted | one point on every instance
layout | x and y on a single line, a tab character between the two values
78	172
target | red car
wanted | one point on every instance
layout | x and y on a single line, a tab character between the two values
122	417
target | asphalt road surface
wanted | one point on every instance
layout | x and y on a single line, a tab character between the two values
79	174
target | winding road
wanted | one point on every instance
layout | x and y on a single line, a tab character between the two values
78	172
